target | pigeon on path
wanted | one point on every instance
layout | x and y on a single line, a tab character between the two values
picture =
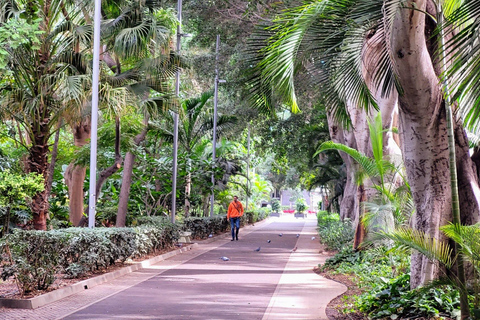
224	258
280	234
258	249
210	235
298	235
313	238
268	241
294	249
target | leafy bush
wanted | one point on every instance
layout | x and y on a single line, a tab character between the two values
201	227
152	220
335	234
275	205
347	255
300	205
33	257
36	256
96	249
394	299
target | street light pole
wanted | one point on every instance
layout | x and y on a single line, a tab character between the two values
214	139
175	116
248	166
94	118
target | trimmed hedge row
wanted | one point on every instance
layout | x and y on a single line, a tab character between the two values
36	256
202	227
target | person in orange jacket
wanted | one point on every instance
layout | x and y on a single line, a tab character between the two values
235	211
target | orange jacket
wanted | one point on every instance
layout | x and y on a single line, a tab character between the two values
235	210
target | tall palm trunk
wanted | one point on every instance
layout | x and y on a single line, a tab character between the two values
38	163
75	174
423	131
127	178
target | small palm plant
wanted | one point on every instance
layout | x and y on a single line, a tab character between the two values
393	204
467	239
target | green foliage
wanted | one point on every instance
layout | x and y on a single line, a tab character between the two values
17	32
156	235
346	255
300	205
256	215
89	250
15	189
275	205
393	299
335	234
202	227
34	257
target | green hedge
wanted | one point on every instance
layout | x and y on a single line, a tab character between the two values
34	257
202	227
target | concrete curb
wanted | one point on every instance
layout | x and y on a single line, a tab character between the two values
61	293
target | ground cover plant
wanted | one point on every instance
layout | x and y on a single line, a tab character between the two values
335	233
382	275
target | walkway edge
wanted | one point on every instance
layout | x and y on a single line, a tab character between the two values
61	293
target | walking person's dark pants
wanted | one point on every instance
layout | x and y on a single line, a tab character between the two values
235	222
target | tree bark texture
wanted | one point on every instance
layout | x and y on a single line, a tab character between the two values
53	160
38	163
127	178
424	136
75	174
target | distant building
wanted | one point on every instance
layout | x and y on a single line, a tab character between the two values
312	198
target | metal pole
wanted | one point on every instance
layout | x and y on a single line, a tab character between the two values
248	165
94	121
214	141
175	117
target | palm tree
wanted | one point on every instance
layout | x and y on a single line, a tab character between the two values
195	124
387	178
375	53
43	82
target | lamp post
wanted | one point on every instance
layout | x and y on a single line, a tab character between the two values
214	139
175	117
94	118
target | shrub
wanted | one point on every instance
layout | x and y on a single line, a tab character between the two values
96	249
300	205
201	227
256	215
333	232
275	205
394	299
33	257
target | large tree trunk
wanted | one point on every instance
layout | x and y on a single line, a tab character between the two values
127	178
424	135
349	204
38	163
51	167
75	174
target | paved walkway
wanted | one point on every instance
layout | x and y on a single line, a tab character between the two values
271	284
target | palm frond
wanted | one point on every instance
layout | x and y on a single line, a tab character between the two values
368	165
417	240
468	237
